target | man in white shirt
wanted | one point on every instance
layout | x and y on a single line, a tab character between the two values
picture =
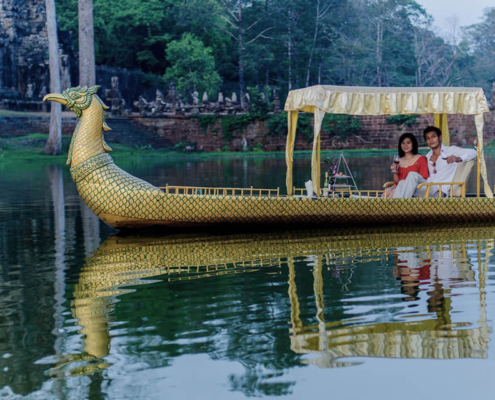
442	163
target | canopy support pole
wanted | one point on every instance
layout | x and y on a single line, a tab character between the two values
315	158
441	122
289	148
478	119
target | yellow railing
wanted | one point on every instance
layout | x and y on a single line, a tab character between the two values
299	191
367	193
210	191
439	184
344	192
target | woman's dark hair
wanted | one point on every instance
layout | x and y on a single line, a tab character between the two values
414	143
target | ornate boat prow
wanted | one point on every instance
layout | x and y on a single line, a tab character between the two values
111	193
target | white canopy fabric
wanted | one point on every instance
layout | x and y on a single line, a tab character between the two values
355	100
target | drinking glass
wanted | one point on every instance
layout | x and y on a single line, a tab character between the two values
396	162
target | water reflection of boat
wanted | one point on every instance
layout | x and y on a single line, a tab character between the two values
439	338
124	201
122	263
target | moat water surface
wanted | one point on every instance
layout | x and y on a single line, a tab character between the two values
86	313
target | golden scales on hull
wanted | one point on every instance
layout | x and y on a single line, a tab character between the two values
124	201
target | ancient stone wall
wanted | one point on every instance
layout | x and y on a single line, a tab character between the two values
24	62
167	131
376	133
23	44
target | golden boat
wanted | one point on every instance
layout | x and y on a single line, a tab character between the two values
121	264
124	201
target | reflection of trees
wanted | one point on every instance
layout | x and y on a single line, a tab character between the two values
36	233
29	292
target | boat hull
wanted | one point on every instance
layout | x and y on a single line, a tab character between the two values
124	201
201	211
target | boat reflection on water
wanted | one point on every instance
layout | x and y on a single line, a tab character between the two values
426	277
429	264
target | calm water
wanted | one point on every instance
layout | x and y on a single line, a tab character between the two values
88	314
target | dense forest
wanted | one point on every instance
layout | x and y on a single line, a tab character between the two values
212	45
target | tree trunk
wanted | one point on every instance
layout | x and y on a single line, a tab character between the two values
289	48
54	143
87	73
379	33
308	72
242	84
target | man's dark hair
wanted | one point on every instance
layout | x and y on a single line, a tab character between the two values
429	129
414	143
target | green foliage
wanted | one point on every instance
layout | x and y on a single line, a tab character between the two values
196	44
277	124
193	66
260	106
182	146
128	33
258	148
403	120
207	120
147	147
341	125
305	126
235	123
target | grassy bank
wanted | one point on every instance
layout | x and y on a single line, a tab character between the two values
31	148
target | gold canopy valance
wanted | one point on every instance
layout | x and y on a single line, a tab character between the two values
355	100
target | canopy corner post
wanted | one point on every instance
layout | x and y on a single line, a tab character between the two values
315	157
441	122
478	120
289	148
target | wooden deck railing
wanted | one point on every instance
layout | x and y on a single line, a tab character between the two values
428	186
210	191
346	192
221	191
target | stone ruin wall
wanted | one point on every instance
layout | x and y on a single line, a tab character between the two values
165	132
23	44
376	133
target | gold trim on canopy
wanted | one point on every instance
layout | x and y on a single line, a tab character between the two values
356	100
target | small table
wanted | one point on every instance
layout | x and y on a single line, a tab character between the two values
338	189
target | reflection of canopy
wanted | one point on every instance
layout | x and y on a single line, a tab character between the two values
353	100
438	338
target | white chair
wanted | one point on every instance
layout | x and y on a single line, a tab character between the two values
458	184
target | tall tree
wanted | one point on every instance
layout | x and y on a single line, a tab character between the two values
192	66
54	143
322	9
481	39
242	31
87	71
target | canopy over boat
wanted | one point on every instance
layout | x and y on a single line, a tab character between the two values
355	100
